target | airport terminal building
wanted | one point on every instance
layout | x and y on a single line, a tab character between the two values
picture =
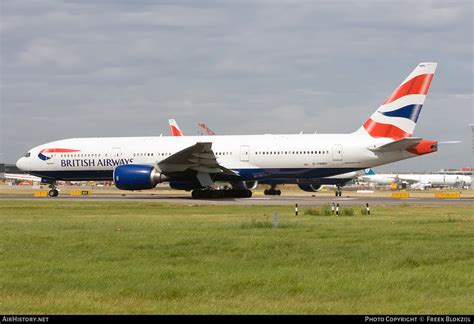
9	168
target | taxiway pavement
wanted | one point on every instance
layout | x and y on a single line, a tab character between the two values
315	200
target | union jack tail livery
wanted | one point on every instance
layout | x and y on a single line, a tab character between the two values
174	128
396	118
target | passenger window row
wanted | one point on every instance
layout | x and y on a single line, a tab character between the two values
290	152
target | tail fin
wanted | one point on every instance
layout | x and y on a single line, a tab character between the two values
206	129
396	118
174	128
369	172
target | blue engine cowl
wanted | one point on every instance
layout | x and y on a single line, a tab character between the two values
310	187
137	177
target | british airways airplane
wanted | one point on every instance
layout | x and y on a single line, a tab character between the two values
194	163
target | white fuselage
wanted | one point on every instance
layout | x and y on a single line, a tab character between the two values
425	180
380	179
448	180
253	157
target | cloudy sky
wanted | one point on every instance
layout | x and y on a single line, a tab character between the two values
80	68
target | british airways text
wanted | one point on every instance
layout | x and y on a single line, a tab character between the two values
94	163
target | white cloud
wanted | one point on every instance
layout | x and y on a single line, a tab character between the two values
41	53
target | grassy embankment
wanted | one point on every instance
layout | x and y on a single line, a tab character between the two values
146	257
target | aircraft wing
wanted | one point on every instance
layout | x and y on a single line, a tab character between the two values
398	145
21	177
409	178
409	181
198	157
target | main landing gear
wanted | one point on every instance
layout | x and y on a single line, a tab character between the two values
338	191
214	193
273	191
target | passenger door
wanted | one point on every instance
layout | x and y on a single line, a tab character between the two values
244	153
337	152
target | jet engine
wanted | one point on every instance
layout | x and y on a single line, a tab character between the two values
310	187
250	185
137	177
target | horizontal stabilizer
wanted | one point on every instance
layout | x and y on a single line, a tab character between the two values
398	145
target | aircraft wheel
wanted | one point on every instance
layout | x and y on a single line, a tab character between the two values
215	194
278	192
53	193
196	194
229	193
240	193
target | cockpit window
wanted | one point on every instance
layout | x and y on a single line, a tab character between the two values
28	154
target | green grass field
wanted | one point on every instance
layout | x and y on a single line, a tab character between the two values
145	257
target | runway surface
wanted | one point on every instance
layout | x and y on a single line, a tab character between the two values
261	200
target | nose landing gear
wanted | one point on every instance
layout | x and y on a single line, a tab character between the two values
53	191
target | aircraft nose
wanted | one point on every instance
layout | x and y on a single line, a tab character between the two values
22	164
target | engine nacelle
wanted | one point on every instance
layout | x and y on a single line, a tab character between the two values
250	185
185	185
137	177
310	187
